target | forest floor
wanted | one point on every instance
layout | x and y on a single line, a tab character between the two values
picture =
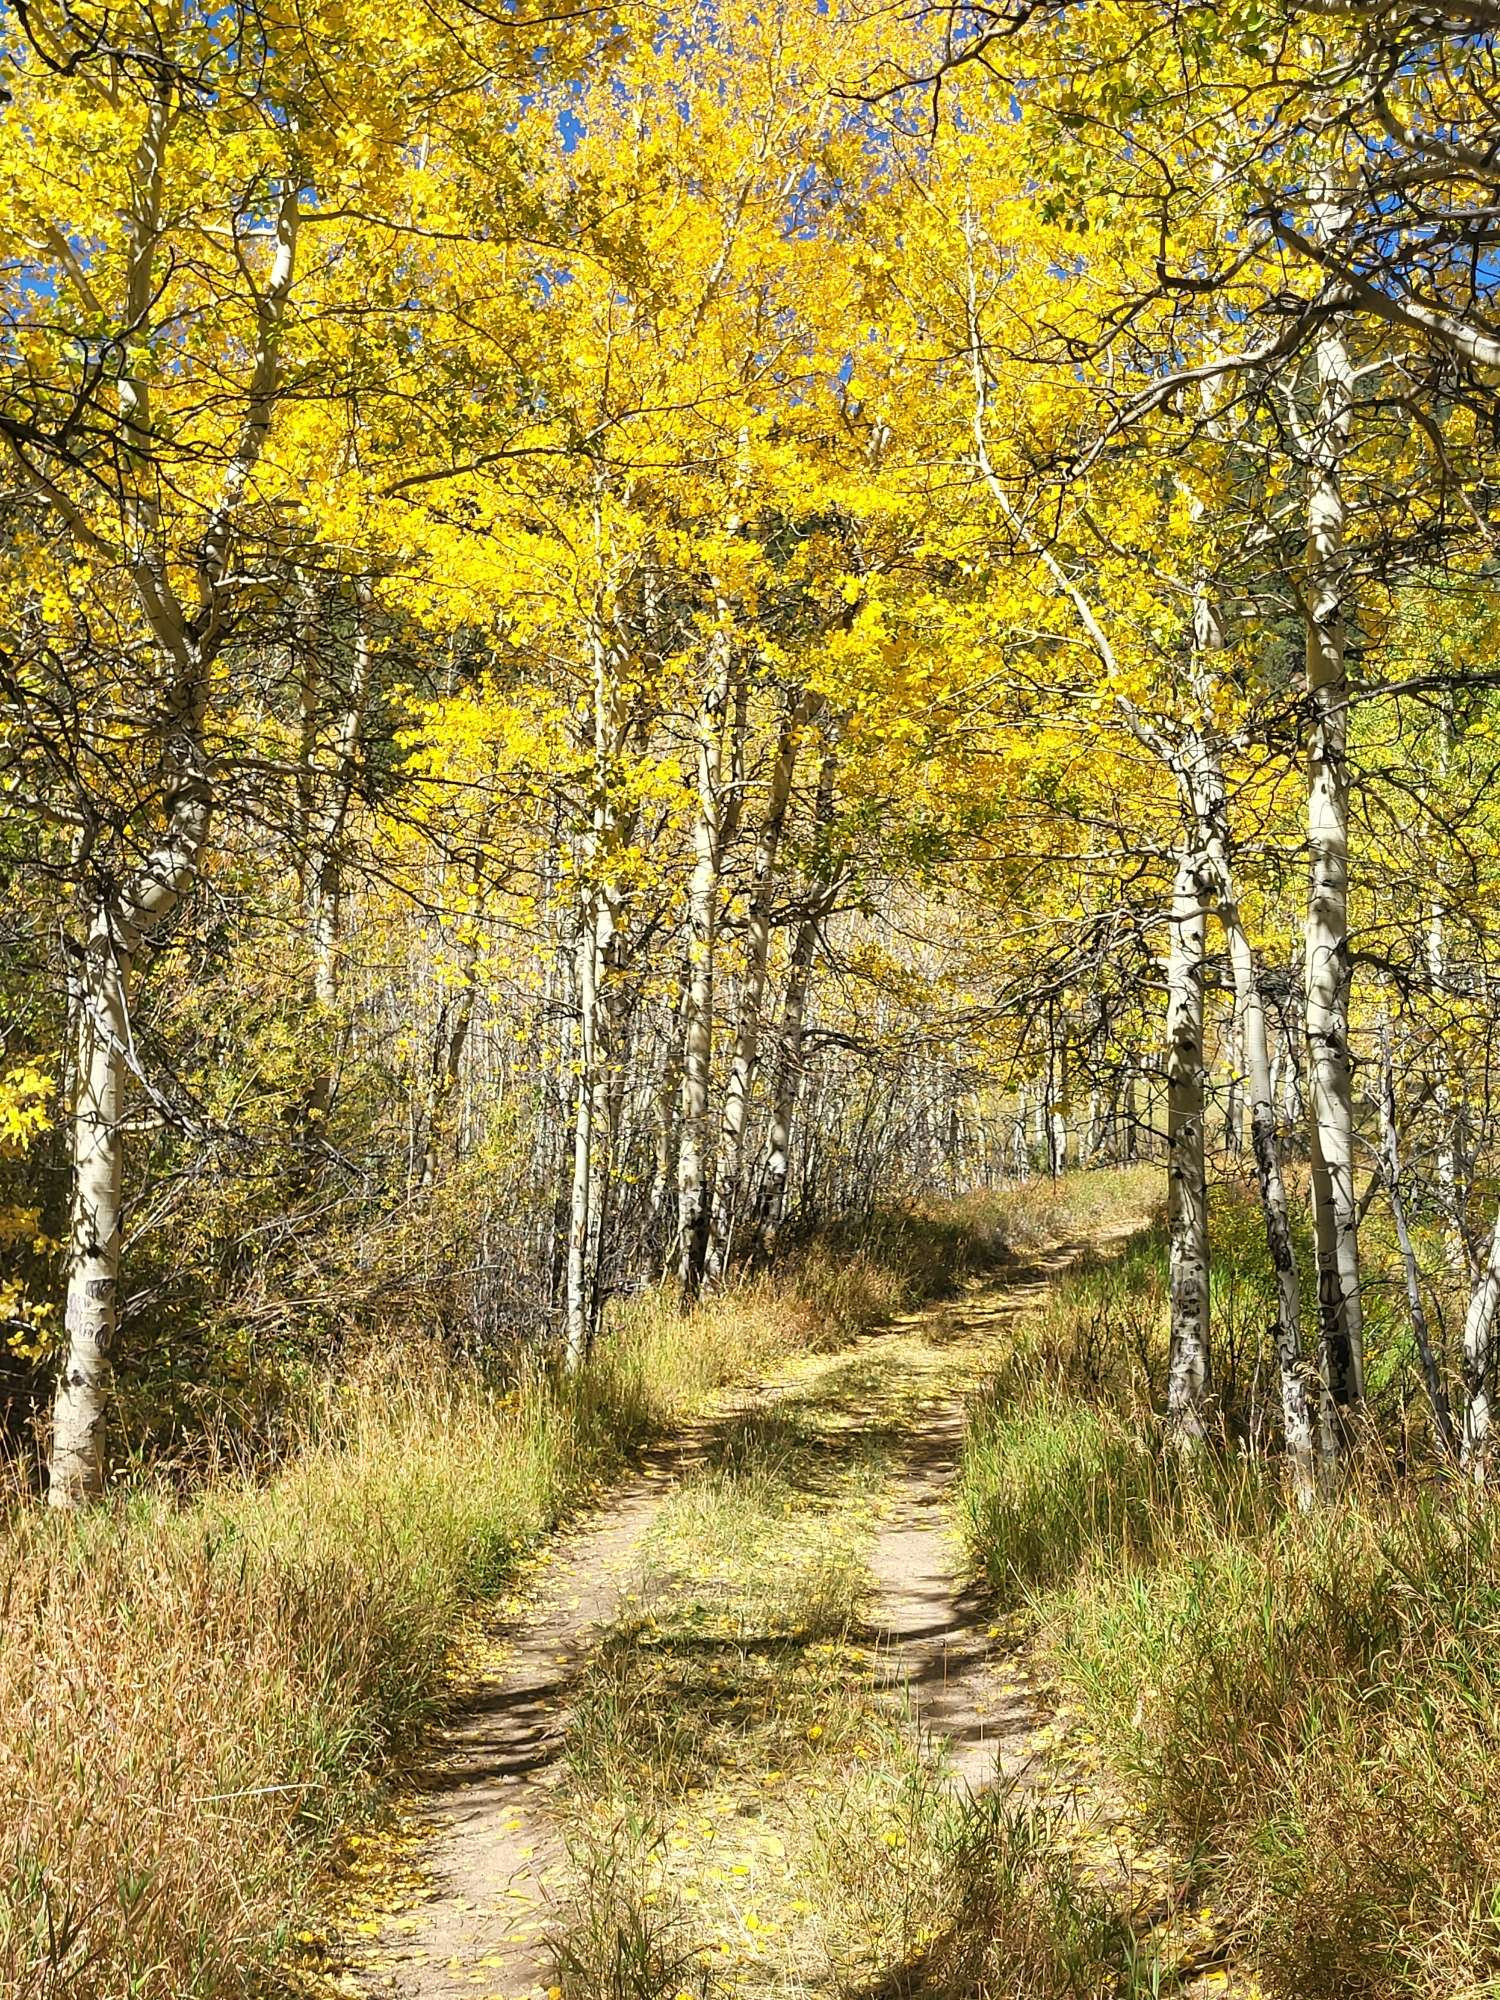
737	1733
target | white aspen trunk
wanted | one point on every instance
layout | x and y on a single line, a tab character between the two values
596	930
1326	962
729	1176
1205	790
579	1329
1234	1081
101	1030
1450	1198
1390	1159
1478	1367
1296	1412
703	911
102	1040
126	909
788	1085
1189	1378
1059	1140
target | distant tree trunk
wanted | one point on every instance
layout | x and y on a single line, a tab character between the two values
668	1105
1390	1159
1330	1090
328	775
703	911
816	900
787	1086
595	941
1091	1129
1234	1078
1189	1378
729	1177
455	1017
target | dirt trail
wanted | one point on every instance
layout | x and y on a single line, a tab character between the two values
493	1855
494	1859
930	1621
494	1852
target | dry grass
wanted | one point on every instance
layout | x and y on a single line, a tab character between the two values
197	1694
1306	1707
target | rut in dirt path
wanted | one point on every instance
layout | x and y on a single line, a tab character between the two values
495	1852
493	1856
931	1621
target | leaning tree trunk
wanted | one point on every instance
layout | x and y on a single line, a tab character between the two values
1326	960
1189	1380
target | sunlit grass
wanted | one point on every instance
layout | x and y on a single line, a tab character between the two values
198	1693
1305	1707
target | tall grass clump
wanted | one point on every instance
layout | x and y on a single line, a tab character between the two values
1306	1706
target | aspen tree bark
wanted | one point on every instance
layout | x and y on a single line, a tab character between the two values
123	911
1205	793
729	1175
1189	1378
1296	1412
1326	957
788	1082
578	1331
455	1019
101	1036
1479	1367
1234	1066
703	912
1450	1196
786	1087
668	1110
596	930
1390	1162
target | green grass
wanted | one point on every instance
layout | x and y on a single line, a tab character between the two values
1307	1707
